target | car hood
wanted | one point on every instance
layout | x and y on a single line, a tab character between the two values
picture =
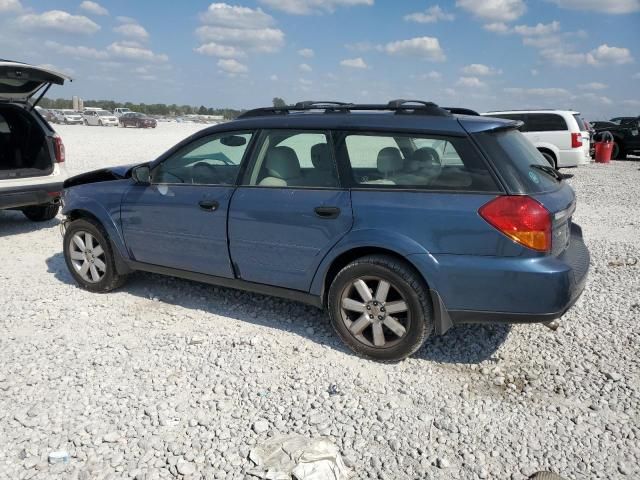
20	81
102	175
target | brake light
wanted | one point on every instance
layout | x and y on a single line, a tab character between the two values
58	147
576	140
522	219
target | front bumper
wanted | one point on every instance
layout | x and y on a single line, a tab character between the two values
19	197
510	289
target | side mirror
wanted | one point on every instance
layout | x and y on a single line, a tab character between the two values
142	175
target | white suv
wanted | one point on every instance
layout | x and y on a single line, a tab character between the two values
31	153
102	118
560	135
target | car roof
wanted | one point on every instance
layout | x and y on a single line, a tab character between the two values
539	110
379	121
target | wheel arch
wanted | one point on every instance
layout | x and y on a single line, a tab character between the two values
553	154
113	235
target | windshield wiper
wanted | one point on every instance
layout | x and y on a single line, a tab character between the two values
548	169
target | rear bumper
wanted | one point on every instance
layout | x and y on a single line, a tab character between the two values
571	158
18	197
509	290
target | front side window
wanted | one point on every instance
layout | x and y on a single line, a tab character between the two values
415	162
212	160
298	159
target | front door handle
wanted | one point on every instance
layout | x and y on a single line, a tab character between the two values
209	205
327	212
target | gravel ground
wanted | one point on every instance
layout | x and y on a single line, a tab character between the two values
167	378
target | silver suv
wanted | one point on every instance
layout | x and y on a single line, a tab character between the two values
31	153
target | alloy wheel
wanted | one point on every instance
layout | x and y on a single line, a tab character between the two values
375	312
87	256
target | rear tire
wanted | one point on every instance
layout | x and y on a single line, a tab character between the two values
618	152
41	213
90	258
380	307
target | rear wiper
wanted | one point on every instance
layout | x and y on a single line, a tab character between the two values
548	169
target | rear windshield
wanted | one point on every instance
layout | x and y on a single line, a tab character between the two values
580	121
516	159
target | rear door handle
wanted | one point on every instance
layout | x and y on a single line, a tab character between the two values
327	212
209	205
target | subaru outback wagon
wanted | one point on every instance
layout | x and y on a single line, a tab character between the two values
400	219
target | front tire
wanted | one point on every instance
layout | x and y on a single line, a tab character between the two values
380	307
41	213
90	258
551	159
618	152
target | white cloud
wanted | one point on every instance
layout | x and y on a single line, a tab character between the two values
497	27
303	67
10	6
225	15
58	20
471	82
616	7
354	63
134	51
605	54
273	78
360	46
216	50
535	72
592	86
132	30
433	75
426	47
305	82
631	103
308	7
262	40
94	8
306	53
494	10
480	69
539	29
232	66
122	19
430	15
539	92
595	99
76	51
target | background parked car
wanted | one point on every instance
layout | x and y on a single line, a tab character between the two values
139	120
71	117
560	135
31	153
101	118
120	111
626	135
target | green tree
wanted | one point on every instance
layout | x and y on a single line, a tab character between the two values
279	102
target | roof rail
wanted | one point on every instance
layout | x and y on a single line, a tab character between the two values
461	111
400	106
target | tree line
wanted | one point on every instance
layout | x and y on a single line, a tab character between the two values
151	109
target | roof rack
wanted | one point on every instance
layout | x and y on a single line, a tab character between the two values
399	106
461	111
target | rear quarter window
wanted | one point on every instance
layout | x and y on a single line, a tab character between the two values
580	122
545	122
515	158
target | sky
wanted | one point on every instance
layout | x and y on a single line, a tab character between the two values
479	54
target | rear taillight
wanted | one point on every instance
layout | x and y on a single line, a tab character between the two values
576	140
520	218
58	147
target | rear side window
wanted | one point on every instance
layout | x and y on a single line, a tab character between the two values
545	122
580	122
400	161
518	161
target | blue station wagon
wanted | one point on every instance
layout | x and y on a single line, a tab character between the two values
401	219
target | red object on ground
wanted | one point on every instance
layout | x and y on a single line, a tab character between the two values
604	148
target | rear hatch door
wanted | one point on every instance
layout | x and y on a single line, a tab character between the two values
524	171
20	81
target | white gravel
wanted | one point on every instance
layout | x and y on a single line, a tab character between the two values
168	378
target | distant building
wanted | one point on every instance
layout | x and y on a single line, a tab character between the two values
78	104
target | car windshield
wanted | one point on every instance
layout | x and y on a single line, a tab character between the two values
104	113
